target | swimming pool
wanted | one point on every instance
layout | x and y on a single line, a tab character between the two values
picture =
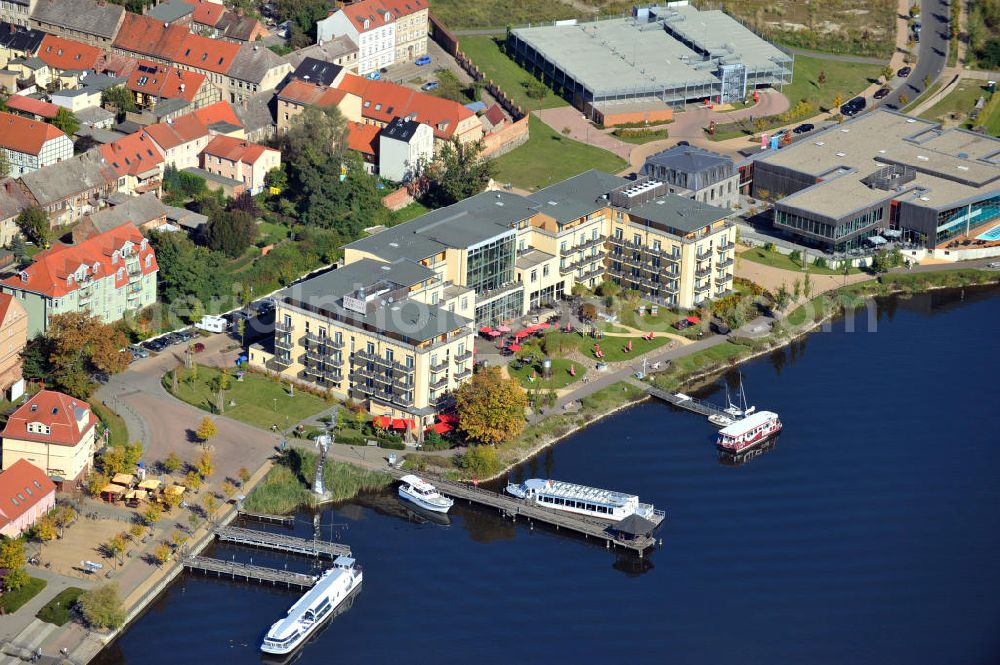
992	234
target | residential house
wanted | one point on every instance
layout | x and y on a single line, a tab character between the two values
234	27
77	99
255	69
340	51
406	147
13	339
16	40
240	160
494	119
205	15
32	108
172	11
145	37
137	161
319	72
31	71
71	188
382	101
108	275
257	115
70	56
26	495
13	199
299	94
93	22
363	139
55	433
16	12
696	173
31	145
145	211
152	82
182	139
386	31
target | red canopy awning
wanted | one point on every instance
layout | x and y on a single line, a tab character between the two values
441	428
522	334
382	421
448	418
694	319
403	423
543	326
494	333
514	347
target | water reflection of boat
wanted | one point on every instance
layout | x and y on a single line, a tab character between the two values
421	515
727	458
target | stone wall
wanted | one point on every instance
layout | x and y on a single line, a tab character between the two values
506	139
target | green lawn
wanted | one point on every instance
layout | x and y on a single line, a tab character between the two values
457	14
662	322
449	87
684	366
844	78
506	73
411	211
59	610
613	347
11	601
657	135
272	232
779	260
560	374
114	422
990	116
259	400
549	157
958	103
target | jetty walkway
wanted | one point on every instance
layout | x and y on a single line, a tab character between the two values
245	571
281	542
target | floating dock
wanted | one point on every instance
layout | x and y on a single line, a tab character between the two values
264	517
682	401
515	508
244	571
281	542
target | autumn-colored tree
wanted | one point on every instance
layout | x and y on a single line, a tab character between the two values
116	546
206	430
228	489
838	99
209	503
95	483
491	407
136	532
172	463
244	473
64	516
45	529
102	606
172	500
192	481
79	346
821	79
205	464
13	560
162	553
152	515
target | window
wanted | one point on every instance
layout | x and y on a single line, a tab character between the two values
388	355
636	239
534	275
465	302
545	270
619	233
370	347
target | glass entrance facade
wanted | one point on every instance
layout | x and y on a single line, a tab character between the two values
491	265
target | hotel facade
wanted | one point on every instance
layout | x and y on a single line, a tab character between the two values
396	325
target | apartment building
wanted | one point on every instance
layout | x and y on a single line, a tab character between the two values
137	161
241	160
107	275
386	31
92	22
16	12
392	334
696	173
54	432
72	188
153	82
26	495
13	339
31	145
182	139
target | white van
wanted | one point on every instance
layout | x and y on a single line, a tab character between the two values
214	324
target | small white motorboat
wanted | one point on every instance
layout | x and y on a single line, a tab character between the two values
422	493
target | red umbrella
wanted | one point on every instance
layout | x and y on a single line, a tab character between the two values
543	326
694	319
486	330
514	347
382	421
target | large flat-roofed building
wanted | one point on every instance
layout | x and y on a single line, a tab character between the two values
883	174
673	55
696	173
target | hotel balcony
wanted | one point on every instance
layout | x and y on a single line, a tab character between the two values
725	264
325	341
593	273
461	357
383	362
722	280
698	288
703	272
440	383
725	247
278	363
707	254
283	341
441	366
465	373
316	355
282	328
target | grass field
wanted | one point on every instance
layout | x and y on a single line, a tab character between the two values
11	601
260	401
114	422
549	157
560	374
843	78
485	52
612	347
657	135
59	610
779	260
954	109
411	211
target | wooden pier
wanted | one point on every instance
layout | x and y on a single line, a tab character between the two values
516	508
264	517
692	404
281	542
244	571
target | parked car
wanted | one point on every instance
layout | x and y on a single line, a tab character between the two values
681	324
373	76
138	352
156	345
430	85
904	72
803	128
423	60
186	335
854	106
882	93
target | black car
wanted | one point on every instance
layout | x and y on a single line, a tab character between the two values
186	335
803	128
882	93
904	72
156	345
854	106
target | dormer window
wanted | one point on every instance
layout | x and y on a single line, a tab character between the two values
366	24
143	244
24	276
115	256
149	261
121	273
387	16
97	267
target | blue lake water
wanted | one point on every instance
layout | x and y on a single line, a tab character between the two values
868	534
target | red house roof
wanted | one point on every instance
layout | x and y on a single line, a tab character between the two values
68	419
311	94
383	101
133	154
206	12
192	126
64	54
362	137
235	150
23	134
375	10
33	106
145	35
22	486
53	273
212	55
164	81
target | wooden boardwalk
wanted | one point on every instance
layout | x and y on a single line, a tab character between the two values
515	508
264	517
281	542
244	571
689	403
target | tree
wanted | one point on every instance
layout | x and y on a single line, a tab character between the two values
136	532
172	463
209	503
120	98
34	224
45	529
12	557
244	473
102	606
66	121
795	256
491	407
116	546
64	516
18	247
314	137
78	347
807	287
152	515
534	88
206	430
161	553
821	78
228	489
231	232
480	461
887	73
458	172
192	481
796	290
4	164
782	297
927	81
838	100
172	500
904	99
205	464
95	483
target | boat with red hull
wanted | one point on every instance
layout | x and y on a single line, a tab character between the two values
748	432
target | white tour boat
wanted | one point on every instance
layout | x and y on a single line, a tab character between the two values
422	493
319	603
749	431
583	500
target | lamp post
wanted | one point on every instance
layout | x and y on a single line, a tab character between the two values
588	127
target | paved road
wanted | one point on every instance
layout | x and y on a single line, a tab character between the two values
932	54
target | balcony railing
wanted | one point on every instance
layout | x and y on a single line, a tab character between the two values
461	357
701	287
384	362
707	254
283	341
722	280
440	383
465	373
725	248
703	272
725	264
325	341
281	327
441	366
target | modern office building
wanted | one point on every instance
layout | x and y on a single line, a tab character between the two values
884	175
696	173
672	55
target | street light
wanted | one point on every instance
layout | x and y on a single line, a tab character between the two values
584	116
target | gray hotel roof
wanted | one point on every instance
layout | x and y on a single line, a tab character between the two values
462	225
576	197
407	318
680	213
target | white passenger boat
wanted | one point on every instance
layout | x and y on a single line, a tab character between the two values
749	431
583	500
422	493
316	605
